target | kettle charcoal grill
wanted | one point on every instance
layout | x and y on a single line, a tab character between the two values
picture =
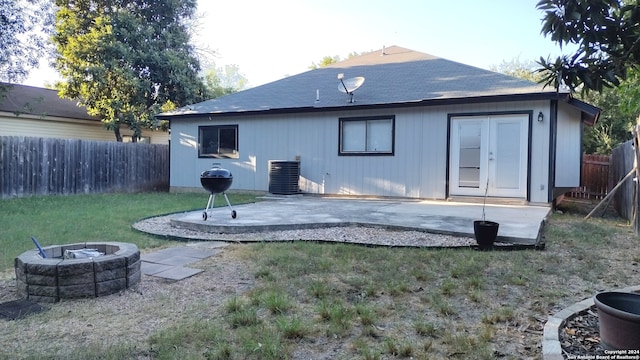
216	180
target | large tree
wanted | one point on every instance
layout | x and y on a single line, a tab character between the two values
125	60
24	27
607	35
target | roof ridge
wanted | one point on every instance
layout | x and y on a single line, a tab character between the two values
385	55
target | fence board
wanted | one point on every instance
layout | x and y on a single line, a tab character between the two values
42	166
596	179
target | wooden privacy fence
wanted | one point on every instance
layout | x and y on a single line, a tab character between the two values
42	166
595	178
622	161
626	157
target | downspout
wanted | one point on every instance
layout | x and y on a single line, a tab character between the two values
581	148
553	131
169	130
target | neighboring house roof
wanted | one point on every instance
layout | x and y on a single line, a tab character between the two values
394	76
23	99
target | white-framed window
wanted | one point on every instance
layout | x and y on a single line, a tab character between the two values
218	141
373	135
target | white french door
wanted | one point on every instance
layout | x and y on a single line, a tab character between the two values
489	152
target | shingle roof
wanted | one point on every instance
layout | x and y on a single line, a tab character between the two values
23	99
400	76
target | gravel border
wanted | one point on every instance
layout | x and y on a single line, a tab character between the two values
353	234
377	236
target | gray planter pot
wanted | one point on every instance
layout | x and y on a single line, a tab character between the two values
619	315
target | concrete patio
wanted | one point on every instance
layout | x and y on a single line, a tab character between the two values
519	224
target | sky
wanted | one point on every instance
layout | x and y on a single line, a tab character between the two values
269	40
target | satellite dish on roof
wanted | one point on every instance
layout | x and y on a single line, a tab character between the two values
350	85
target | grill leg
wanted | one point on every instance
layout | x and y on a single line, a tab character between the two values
233	212
226	198
212	199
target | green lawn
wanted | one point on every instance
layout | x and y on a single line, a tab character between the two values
56	220
321	300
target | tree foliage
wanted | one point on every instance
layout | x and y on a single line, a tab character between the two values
620	108
24	27
126	59
519	69
225	80
325	61
328	60
606	33
607	36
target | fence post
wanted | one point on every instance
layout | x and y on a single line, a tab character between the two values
636	195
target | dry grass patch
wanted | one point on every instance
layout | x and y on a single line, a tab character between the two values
340	301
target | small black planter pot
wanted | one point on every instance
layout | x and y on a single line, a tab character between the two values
485	232
619	319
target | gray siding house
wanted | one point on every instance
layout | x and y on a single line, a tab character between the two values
418	127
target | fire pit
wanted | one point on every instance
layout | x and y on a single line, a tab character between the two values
216	180
56	277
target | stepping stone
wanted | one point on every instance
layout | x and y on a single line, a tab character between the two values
149	268
177	273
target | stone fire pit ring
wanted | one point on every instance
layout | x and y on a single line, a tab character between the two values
54	278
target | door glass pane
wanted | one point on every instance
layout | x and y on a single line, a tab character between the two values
507	142
469	167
